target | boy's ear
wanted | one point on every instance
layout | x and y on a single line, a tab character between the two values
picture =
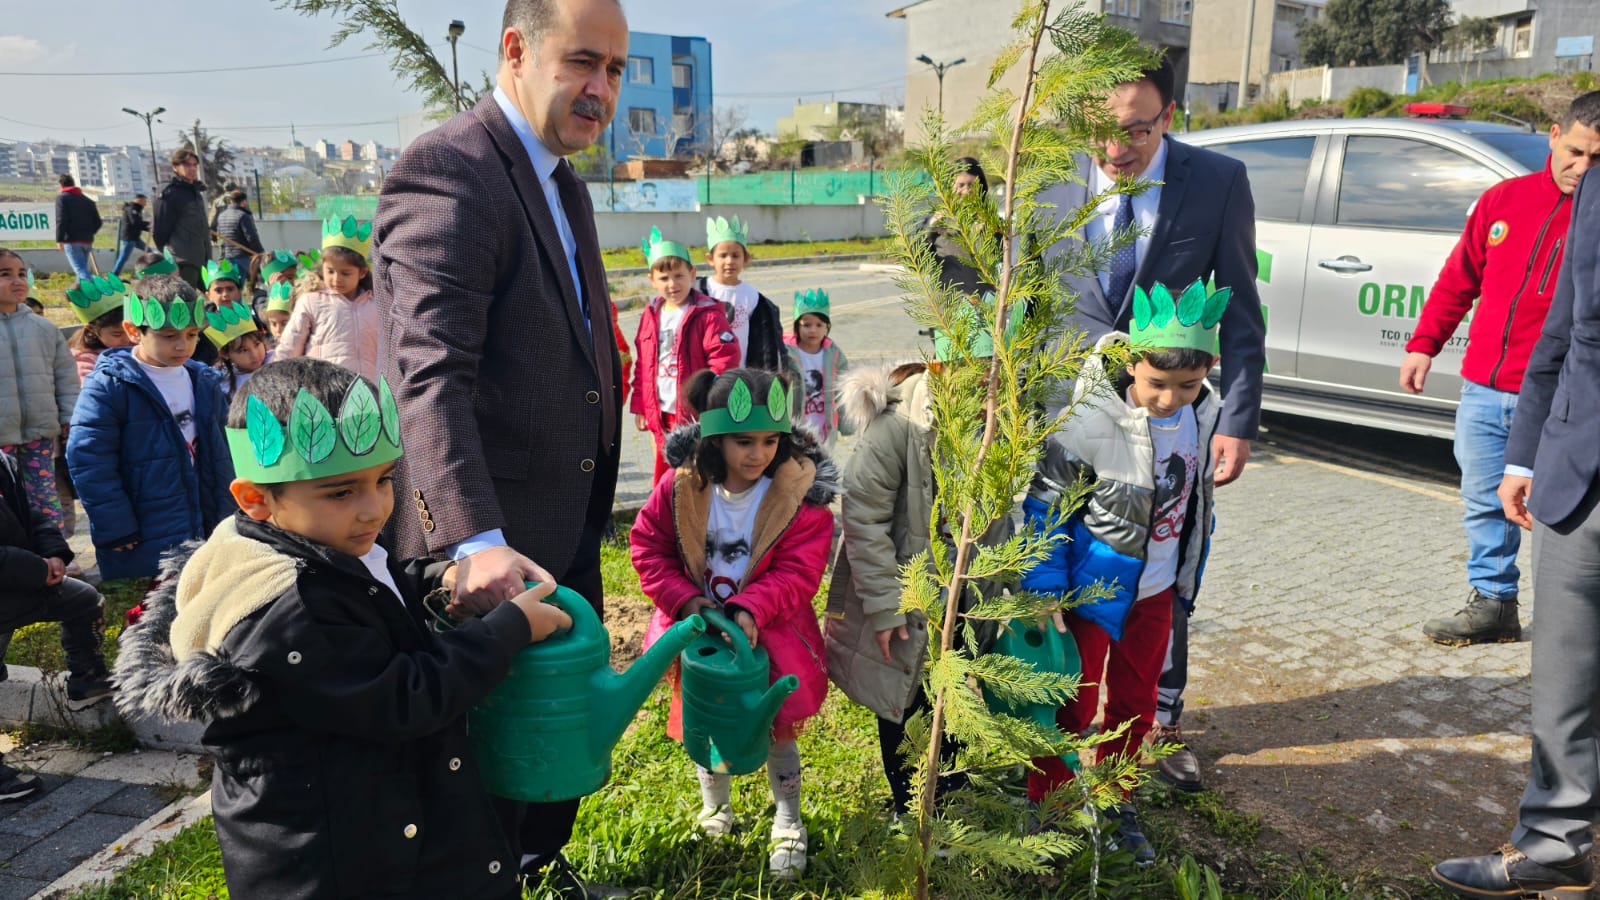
131	330
252	499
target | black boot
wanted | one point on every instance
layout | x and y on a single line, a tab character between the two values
1484	620
1508	872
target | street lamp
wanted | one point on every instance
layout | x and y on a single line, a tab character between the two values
939	70
457	29
147	117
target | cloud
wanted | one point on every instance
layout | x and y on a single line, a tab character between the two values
16	48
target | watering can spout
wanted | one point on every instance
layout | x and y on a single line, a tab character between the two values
625	692
767	709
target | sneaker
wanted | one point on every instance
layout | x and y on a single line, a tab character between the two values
1484	620
1181	769
1508	872
788	859
15	785
558	880
1130	837
84	691
715	822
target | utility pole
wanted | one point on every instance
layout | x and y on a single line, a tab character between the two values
939	70
1244	64
155	173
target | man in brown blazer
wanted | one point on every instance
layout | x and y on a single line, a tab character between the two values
498	336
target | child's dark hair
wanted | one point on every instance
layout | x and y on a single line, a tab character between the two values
674	261
1171	359
226	365
88	337
145	260
165	289
827	320
348	257
6	251
707	390
277	384
35	305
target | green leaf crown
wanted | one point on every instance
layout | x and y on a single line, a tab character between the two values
1188	321
229	323
277	261
223	269
657	248
179	313
314	443
166	265
742	413
721	230
349	233
814	302
280	297
94	297
975	323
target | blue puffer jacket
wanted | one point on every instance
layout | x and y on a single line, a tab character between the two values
132	470
1107	443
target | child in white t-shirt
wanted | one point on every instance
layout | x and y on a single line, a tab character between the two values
817	364
756	321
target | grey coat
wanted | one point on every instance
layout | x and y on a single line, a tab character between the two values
37	369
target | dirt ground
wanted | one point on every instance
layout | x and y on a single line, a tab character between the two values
627	618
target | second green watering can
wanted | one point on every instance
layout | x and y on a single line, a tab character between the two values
1049	651
729	700
546	732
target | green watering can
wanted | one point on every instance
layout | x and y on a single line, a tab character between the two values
1049	651
546	732
728	703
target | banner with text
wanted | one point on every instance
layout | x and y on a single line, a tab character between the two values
27	222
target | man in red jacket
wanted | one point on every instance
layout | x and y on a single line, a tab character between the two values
1506	260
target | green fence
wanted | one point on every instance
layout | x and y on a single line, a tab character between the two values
362	206
791	188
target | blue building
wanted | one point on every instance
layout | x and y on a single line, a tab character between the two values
666	98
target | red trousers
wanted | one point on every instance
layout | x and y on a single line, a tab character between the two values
1129	680
664	424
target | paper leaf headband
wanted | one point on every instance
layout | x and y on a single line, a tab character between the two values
94	297
164	266
155	314
229	323
721	230
657	248
277	261
1188	322
980	340
223	269
280	297
742	413
350	234
315	444
814	302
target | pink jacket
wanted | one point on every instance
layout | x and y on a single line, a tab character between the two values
792	536
86	360
328	326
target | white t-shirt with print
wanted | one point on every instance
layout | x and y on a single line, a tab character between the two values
1176	440
177	388
740	301
816	408
730	531
667	357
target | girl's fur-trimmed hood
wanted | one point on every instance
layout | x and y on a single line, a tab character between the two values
678	449
866	393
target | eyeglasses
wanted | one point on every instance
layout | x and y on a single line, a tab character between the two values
1137	134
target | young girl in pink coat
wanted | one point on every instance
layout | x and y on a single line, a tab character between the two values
750	492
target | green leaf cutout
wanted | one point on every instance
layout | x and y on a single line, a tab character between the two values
740	403
1161	306
266	435
1216	305
311	428
135	310
777	401
390	412
216	320
1141	309
359	421
154	317
1192	303
178	315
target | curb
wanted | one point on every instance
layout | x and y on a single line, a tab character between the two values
140	841
29	696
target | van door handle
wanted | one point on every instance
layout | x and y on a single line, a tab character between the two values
1345	265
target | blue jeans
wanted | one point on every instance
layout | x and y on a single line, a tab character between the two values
124	250
78	259
1483	423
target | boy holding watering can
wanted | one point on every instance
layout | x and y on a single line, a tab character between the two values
337	718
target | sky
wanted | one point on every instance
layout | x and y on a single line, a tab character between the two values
765	53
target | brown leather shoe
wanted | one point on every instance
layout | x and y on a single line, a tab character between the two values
1181	769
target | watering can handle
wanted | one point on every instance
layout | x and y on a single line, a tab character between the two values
716	618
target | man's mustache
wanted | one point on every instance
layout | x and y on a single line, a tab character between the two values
590	108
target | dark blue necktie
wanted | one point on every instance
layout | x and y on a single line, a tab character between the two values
1125	260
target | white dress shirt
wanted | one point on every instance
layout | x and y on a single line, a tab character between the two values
1145	206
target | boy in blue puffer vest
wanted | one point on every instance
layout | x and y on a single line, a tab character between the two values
1142	438
146	449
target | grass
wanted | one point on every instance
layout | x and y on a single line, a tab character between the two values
39	645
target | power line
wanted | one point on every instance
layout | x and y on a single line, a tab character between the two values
293	65
67	128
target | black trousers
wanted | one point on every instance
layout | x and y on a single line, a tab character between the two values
899	769
77	605
540	830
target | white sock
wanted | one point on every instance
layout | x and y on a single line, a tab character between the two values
715	790
783	775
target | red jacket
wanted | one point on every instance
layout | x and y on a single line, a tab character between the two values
1507	260
705	341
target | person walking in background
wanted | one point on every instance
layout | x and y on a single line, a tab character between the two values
1506	262
236	232
180	217
130	231
77	222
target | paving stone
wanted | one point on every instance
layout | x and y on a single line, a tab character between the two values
60	806
140	800
148	767
14	888
55	855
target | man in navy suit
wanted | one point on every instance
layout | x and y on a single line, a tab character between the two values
1198	222
1555	434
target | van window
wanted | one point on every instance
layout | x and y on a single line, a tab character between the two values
1277	169
1401	183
